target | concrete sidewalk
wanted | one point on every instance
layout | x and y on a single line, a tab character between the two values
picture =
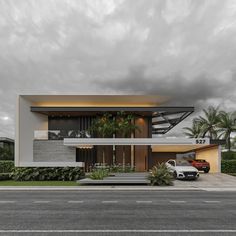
118	188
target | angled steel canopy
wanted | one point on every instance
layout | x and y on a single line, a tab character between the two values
164	121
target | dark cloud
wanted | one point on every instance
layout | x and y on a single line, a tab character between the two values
183	49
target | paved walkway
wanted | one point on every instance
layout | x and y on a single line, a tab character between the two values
217	180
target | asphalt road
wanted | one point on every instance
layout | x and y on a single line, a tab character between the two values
117	213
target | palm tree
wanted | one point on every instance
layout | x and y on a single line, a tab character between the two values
227	125
125	126
103	127
194	131
209	123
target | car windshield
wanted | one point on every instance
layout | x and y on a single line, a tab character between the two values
182	163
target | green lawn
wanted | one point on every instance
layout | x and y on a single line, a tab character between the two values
37	183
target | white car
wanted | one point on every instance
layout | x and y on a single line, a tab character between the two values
182	169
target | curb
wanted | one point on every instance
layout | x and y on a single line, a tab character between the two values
114	188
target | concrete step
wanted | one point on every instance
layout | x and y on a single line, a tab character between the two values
114	181
126	177
135	174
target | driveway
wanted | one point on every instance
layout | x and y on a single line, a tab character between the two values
217	180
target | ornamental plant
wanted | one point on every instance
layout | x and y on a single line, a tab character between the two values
103	127
125	127
99	174
160	175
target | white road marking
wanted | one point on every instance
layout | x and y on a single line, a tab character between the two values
123	231
143	201
75	201
41	201
109	201
7	202
178	201
212	201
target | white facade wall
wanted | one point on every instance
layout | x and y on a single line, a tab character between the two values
26	123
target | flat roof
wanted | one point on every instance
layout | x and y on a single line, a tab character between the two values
96	100
159	109
7	140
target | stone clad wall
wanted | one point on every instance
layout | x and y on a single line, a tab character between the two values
53	151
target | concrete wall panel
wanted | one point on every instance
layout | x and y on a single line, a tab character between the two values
53	151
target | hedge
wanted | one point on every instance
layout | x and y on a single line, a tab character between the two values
229	155
6	166
228	166
5	176
47	173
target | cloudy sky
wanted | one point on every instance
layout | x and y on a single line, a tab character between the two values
181	48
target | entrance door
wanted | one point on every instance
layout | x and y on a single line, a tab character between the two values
141	155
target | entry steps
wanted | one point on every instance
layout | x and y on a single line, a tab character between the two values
119	178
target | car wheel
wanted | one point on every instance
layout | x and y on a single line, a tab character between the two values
206	171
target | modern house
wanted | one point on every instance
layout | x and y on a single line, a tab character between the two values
6	148
51	130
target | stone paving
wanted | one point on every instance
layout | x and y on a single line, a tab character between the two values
210	180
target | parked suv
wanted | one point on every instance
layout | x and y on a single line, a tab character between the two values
200	164
182	169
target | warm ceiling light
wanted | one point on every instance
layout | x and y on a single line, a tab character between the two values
85	146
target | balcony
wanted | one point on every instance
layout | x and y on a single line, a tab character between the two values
60	134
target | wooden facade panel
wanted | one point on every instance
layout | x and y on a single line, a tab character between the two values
108	154
141	152
119	155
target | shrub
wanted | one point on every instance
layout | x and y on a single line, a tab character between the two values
47	173
121	169
228	166
229	155
5	176
6	166
160	175
99	174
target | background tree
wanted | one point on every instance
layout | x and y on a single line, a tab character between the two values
227	125
209	122
103	127
214	124
194	131
125	127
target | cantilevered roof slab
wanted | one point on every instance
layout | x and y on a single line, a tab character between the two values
180	145
96	100
135	141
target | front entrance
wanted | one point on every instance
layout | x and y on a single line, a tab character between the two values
88	156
